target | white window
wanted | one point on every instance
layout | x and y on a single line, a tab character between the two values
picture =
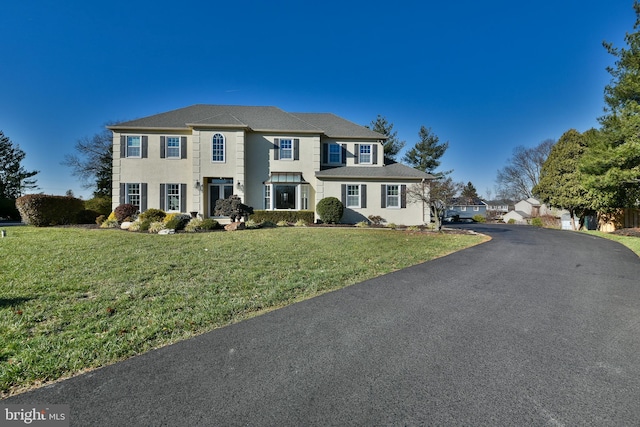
353	196
173	147
365	154
286	149
218	148
132	194
335	153
267	197
393	196
463	208
476	208
304	197
173	197
134	144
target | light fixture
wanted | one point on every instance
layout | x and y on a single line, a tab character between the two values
197	185
238	184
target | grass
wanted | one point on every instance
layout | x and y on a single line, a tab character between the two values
76	299
631	242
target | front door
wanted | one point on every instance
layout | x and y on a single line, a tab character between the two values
219	189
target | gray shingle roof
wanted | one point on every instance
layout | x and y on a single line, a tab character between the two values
266	119
337	127
390	171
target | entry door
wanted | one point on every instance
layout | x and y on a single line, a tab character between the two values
218	191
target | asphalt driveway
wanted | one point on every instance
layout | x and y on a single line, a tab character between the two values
536	327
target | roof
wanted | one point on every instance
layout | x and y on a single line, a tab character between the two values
466	201
390	171
265	119
337	127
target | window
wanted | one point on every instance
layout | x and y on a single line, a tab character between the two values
267	197
393	196
173	147
476	208
173	197
304	197
365	154
463	208
335	153
134	145
353	196
286	149
217	148
132	195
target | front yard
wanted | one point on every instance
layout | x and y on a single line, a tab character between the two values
76	299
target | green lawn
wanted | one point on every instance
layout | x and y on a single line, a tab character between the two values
75	299
631	242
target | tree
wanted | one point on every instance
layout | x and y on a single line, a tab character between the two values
92	162
426	153
392	145
469	192
440	194
516	180
612	162
14	179
561	181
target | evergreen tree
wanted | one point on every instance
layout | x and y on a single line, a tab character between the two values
14	179
426	153
469	192
392	145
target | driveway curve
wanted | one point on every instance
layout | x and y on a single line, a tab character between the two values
535	327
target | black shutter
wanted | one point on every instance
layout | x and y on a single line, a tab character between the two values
383	199
296	149
143	197
363	196
276	149
325	154
145	147
163	189
343	191
123	190
163	145
403	196
344	154
183	147
356	154
183	197
123	146
374	153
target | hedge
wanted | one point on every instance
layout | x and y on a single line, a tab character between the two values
8	209
277	216
42	210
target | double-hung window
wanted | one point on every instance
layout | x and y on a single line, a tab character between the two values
132	195
173	147
173	197
286	149
364	156
335	153
134	146
218	148
393	196
353	196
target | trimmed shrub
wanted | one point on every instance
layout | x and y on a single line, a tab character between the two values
153	215
8	209
42	210
277	216
330	210
102	205
87	216
177	221
210	224
125	212
537	222
233	208
479	218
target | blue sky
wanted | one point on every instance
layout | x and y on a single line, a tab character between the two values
486	76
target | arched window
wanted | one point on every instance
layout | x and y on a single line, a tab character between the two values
217	148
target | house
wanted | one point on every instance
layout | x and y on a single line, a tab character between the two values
186	159
524	210
464	207
497	208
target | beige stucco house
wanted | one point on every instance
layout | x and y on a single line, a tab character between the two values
186	159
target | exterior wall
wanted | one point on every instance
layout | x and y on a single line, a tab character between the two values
466	211
414	213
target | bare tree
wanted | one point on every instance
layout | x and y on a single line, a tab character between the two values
516	180
437	194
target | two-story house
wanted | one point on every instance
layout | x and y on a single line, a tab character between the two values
186	159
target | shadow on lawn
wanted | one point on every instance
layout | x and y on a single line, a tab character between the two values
9	302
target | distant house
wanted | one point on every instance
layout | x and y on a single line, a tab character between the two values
524	210
463	207
497	208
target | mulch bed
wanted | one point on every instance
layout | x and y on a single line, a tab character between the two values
632	232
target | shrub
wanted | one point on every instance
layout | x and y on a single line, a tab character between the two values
376	219
110	223
282	224
153	215
362	224
156	226
8	209
536	222
100	219
177	221
87	216
511	221
102	205
479	218
125	212
42	210
392	225
330	210
251	224
193	225
210	224
233	208
300	223
276	216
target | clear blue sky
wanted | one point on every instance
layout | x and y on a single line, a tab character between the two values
486	76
